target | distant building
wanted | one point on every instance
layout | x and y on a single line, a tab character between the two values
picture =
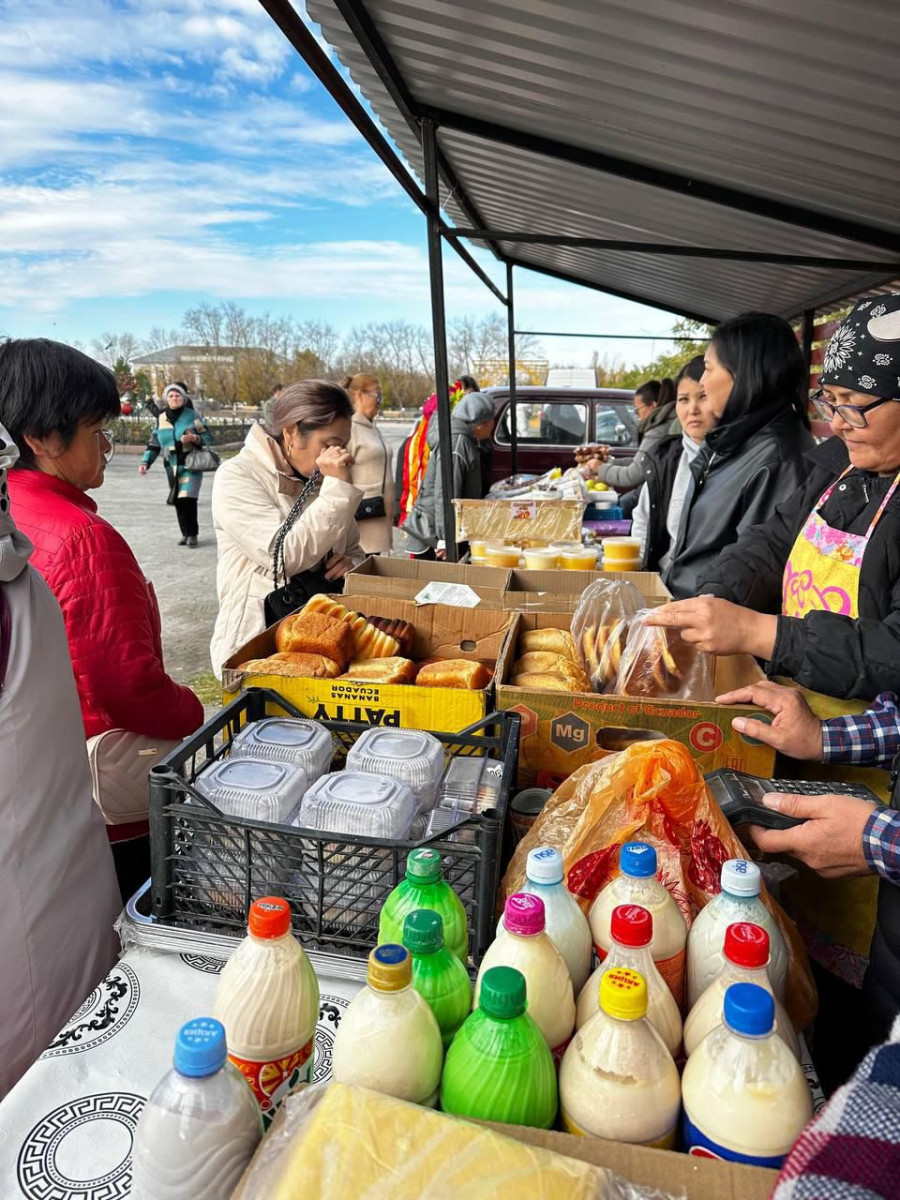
190	363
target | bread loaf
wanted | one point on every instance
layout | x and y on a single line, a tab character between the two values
657	665
543	662
556	641
368	641
314	666
315	633
454	673
382	670
401	630
546	683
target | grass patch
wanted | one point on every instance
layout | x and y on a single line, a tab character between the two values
206	688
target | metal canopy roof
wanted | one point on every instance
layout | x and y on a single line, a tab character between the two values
748	126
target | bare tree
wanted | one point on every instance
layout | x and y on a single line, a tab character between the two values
109	348
322	341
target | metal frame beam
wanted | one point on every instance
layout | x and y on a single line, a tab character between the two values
615	337
513	383
807	334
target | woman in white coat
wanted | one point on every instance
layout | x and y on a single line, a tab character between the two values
371	465
302	450
58	891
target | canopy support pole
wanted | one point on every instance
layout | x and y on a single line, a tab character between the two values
513	421
809	322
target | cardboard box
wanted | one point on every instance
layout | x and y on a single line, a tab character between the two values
404	579
560	591
563	731
440	630
519	520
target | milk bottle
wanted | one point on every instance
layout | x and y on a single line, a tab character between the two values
631	932
201	1125
268	1001
638	884
566	924
522	943
617	1079
746	957
745	1096
389	1040
738	901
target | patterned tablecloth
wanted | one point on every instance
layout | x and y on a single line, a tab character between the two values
66	1128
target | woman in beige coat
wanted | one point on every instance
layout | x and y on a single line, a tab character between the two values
304	440
372	470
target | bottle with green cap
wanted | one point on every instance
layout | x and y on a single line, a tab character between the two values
437	975
617	1079
499	1066
389	1040
425	887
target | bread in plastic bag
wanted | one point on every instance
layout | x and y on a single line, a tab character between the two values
658	662
652	792
341	1142
600	628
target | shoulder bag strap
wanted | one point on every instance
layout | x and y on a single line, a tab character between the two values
289	522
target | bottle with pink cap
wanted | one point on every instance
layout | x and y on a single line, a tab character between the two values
522	943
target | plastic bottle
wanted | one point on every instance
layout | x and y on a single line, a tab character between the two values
437	975
424	887
637	884
631	931
268	1001
566	924
746	959
617	1079
745	1096
738	901
389	1040
499	1067
201	1125
522	943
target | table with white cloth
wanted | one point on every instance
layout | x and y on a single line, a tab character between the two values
66	1128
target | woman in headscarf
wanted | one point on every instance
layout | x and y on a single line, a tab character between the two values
179	430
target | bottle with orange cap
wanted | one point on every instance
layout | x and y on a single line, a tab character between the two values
617	1079
268	1001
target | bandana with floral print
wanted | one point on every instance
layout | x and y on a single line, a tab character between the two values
864	352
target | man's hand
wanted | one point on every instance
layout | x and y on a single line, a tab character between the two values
830	841
337	566
718	626
795	731
143	469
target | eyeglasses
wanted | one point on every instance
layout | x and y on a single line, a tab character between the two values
110	436
852	414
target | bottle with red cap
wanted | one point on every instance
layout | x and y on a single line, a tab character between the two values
522	943
746	961
268	1001
631	938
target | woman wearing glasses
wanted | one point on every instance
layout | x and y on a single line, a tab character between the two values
815	590
371	470
179	430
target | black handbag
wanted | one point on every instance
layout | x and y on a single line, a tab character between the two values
294	592
371	509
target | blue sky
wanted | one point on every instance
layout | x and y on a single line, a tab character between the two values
157	153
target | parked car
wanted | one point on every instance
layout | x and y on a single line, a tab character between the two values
550	422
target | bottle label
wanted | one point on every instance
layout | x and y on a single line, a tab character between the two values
666	1142
701	1146
672	970
272	1081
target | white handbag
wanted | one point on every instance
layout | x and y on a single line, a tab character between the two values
120	763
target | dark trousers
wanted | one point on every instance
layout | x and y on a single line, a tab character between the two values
186	511
132	863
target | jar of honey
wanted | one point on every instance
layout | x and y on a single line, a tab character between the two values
582	559
540	558
499	555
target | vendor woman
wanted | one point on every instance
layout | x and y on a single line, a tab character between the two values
815	590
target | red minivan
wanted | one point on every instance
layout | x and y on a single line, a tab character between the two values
551	422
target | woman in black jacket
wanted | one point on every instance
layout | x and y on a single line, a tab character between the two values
816	589
754	458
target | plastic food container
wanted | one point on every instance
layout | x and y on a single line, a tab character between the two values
305	744
477	548
625	564
502	556
621	549
583	559
352	802
541	558
414	757
253	789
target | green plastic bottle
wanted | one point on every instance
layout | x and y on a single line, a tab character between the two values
437	975
424	887
499	1067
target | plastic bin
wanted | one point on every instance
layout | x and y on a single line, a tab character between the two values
212	891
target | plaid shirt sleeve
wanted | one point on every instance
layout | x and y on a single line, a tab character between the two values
871	738
881	843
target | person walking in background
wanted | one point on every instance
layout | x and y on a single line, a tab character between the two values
371	470
654	407
179	430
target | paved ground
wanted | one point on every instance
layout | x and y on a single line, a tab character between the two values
185	580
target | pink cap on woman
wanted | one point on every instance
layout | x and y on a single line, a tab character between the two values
524	914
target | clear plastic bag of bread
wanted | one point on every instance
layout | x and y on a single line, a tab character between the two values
652	792
600	629
659	662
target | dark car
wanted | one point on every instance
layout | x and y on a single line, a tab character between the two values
551	422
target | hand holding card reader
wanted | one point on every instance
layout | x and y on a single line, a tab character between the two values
740	796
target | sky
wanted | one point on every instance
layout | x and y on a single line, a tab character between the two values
155	154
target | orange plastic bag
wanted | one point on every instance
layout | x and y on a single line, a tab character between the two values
652	792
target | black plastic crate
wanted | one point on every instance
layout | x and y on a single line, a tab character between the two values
207	867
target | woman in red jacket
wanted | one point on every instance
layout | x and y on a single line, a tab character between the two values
56	402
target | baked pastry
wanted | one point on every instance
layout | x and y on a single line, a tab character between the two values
368	641
401	630
601	649
313	666
543	662
454	673
546	682
556	641
314	633
656	664
382	670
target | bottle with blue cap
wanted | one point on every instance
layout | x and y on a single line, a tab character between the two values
201	1125
739	902
745	1096
637	884
564	922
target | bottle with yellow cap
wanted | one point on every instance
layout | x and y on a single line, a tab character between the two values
618	1080
389	1040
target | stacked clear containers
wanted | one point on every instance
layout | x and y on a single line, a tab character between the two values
300	743
414	757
